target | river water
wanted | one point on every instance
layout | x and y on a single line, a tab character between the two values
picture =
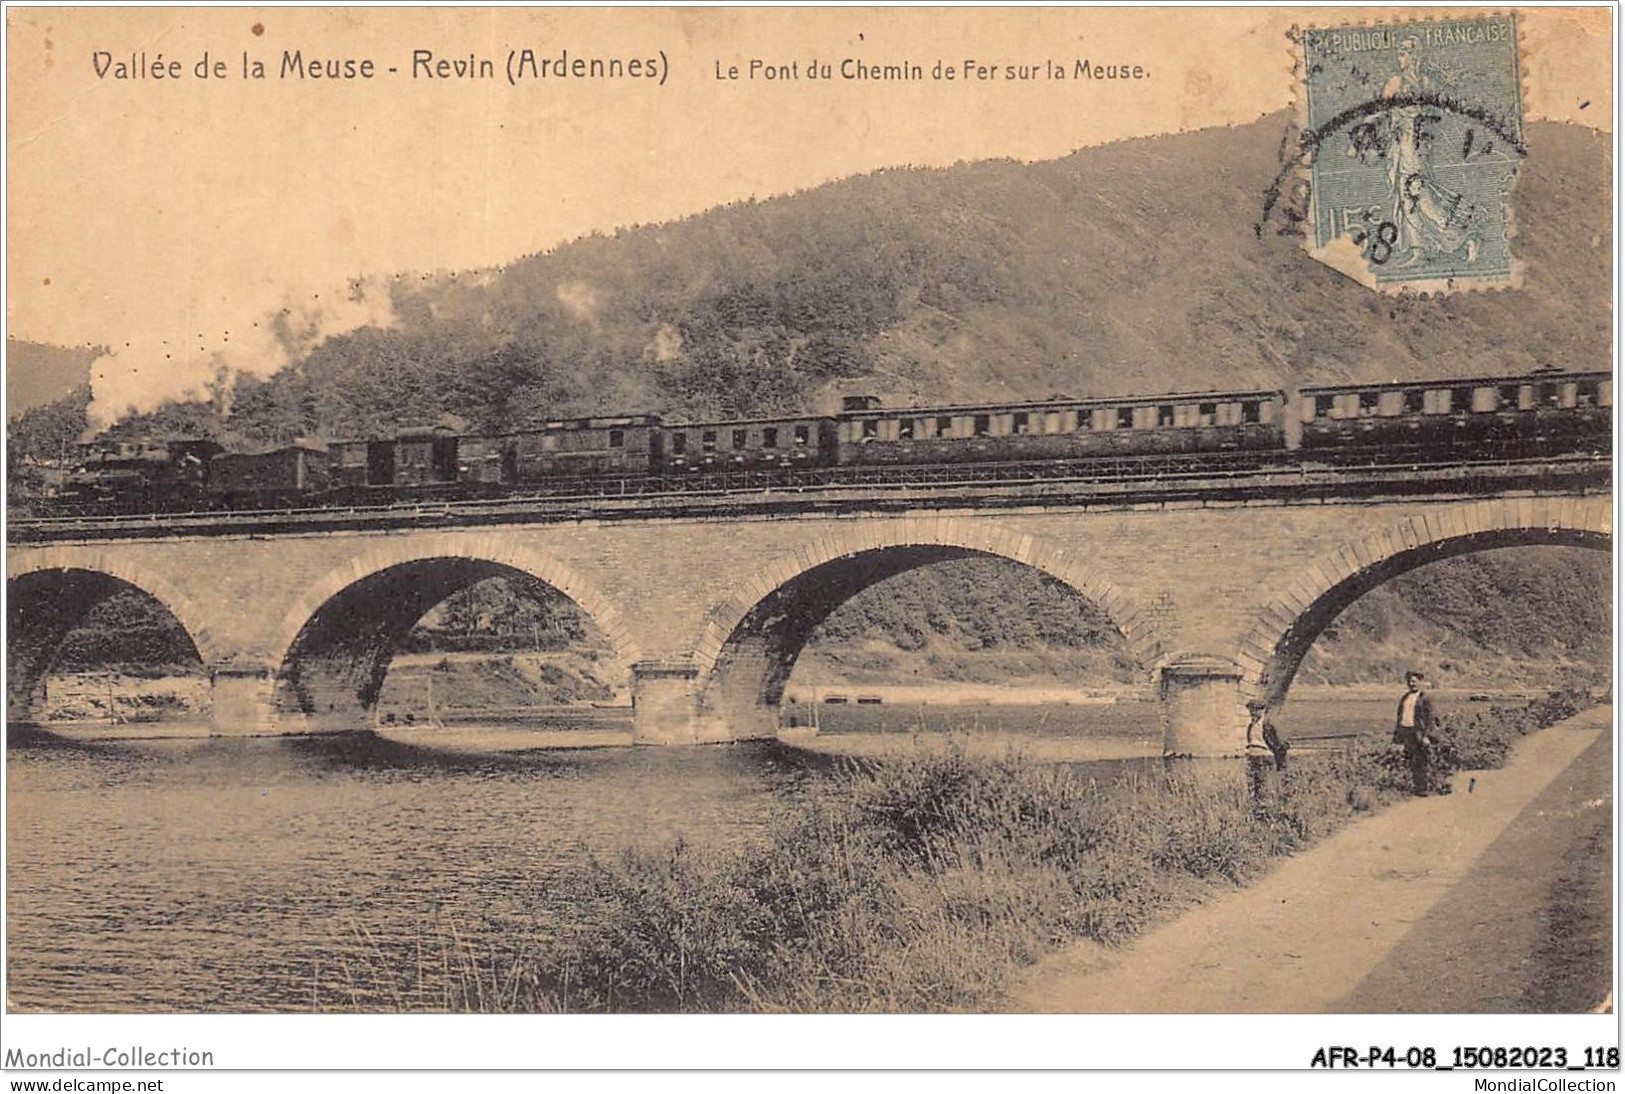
281	874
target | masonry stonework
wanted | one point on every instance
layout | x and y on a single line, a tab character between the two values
1247	585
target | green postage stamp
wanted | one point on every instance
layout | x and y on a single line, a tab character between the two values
1412	137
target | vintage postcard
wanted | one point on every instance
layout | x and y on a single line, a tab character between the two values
1099	514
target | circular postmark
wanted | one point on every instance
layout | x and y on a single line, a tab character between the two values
1286	199
1399	169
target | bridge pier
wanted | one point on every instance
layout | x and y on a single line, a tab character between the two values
25	694
665	703
666	709
242	700
1203	710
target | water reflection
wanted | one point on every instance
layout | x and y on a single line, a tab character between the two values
219	874
262	874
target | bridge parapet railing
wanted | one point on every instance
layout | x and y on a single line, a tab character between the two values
950	488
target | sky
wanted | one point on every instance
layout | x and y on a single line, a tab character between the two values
174	220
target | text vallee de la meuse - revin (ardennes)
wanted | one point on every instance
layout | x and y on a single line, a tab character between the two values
295	64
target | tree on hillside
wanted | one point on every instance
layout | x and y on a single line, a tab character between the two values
49	433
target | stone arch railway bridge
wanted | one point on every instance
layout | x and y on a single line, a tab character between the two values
1219	583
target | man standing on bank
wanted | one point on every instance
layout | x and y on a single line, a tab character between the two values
1413	728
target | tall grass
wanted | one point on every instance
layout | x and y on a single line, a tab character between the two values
923	883
1484	739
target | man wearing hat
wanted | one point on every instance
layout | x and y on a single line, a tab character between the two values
1266	753
1262	737
1413	728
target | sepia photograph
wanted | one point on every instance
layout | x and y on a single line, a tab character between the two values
1074	512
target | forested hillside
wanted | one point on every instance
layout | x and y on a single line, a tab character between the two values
1134	267
1529	614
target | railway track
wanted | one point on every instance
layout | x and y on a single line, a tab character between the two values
1235	477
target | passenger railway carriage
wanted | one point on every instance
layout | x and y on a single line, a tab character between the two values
756	444
1507	416
584	447
1060	429
1545	413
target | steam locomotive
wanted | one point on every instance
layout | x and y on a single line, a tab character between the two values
1546	413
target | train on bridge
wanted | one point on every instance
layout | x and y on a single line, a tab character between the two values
1547	413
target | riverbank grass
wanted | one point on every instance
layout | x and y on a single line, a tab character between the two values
925	883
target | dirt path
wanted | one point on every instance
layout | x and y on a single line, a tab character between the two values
1435	905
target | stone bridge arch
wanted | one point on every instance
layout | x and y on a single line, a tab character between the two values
1282	634
334	644
50	591
749	643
